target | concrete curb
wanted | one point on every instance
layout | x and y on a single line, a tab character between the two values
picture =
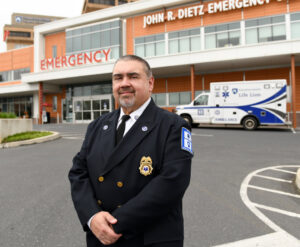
54	136
297	181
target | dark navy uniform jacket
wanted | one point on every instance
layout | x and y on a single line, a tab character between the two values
107	177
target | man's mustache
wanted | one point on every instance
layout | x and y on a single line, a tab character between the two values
126	90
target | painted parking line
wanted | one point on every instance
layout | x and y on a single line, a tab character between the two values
205	135
276	239
71	134
282	170
254	207
274	179
277	210
273	191
73	138
280	237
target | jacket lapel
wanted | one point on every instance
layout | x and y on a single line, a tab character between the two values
108	136
143	127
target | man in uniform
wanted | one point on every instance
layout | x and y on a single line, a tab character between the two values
129	178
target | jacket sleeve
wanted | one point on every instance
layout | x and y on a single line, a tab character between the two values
163	192
81	188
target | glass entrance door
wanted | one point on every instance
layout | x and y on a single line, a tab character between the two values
89	109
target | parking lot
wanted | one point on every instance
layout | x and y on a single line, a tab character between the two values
241	188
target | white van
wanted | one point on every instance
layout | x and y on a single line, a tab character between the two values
246	103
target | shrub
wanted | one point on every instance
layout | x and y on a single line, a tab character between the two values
26	136
7	115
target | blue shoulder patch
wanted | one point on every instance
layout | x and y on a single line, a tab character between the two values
186	140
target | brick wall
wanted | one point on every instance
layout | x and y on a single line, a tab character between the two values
16	59
58	39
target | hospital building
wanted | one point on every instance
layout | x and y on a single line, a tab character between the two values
63	66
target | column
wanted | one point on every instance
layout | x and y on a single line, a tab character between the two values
193	81
36	103
294	91
40	102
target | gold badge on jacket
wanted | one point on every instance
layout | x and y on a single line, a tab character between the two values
146	166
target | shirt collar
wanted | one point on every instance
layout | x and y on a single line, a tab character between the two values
137	113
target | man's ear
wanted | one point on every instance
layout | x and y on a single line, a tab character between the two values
151	83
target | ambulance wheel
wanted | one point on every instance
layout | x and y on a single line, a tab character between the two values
188	119
250	123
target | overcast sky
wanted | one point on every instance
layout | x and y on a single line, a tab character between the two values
64	8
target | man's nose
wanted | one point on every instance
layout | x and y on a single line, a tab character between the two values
125	82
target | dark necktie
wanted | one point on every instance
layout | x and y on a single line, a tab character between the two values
121	128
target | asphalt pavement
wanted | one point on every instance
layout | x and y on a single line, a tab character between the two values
36	207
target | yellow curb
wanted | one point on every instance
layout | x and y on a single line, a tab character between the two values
54	136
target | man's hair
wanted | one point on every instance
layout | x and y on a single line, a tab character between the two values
147	67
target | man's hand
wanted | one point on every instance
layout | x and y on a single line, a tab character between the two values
101	226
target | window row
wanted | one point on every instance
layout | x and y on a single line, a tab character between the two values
295	26
21	106
222	35
19	34
173	99
95	37
13	75
97	89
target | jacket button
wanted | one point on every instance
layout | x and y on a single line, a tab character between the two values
120	184
101	179
119	206
99	202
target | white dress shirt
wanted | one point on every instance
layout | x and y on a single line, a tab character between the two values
133	116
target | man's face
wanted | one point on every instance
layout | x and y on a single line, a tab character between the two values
131	85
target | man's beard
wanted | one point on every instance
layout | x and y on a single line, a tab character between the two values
127	102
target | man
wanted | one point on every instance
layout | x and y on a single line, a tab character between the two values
128	179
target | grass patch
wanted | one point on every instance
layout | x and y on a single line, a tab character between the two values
26	136
7	115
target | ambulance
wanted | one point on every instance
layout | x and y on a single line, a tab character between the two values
247	103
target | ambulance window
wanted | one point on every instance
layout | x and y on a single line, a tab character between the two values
202	100
279	85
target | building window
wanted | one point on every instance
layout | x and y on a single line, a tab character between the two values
222	35
265	29
95	37
150	46
13	75
295	25
54	103
19	34
97	89
17	73
5	76
54	51
160	99
184	41
197	93
179	98
18	46
21	106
